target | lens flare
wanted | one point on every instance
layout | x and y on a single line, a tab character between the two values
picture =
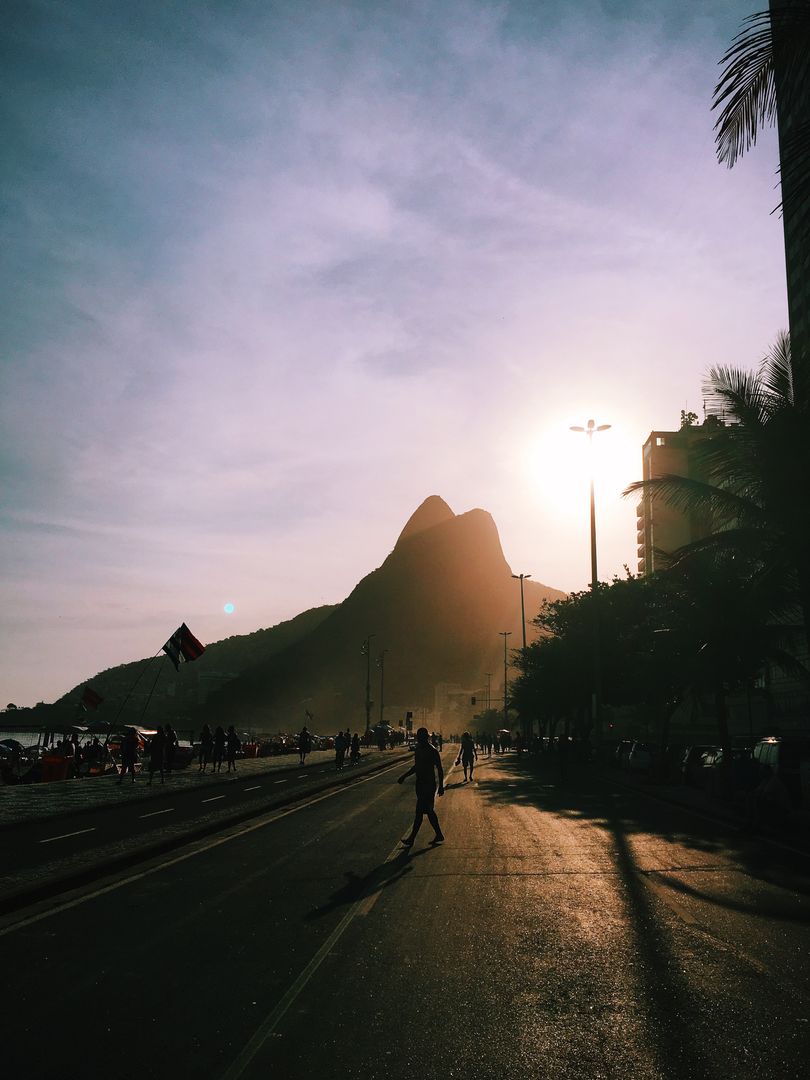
229	609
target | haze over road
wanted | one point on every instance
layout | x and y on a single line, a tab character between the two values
577	930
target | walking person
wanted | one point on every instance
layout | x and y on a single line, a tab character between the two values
232	746
354	755
206	746
340	750
157	754
467	755
171	746
304	745
219	748
427	765
129	755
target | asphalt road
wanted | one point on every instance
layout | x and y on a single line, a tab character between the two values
563	930
37	842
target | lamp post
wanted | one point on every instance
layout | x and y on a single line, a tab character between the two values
526	721
505	634
597	670
366	651
381	666
489	690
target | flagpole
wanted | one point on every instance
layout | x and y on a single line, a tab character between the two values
154	684
129	693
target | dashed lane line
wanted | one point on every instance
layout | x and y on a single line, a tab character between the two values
281	781
254	788
197	849
157	813
64	836
213	798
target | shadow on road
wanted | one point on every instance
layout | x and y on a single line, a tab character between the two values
360	888
669	999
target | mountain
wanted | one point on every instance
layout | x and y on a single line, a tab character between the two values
436	605
178	694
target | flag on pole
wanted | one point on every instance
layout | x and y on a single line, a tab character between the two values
90	699
182	645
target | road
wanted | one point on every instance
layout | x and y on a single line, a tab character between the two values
563	930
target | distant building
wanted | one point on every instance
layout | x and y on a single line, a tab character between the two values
662	529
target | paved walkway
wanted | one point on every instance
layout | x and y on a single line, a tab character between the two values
35	802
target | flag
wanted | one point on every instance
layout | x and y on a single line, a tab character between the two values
90	699
183	645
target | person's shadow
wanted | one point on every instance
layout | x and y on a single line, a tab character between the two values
360	888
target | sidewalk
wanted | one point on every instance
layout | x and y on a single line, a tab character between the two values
37	802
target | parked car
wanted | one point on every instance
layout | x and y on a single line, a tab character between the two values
640	757
621	753
716	780
784	774
692	764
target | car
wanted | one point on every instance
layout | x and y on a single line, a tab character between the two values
621	753
692	763
783	770
640	757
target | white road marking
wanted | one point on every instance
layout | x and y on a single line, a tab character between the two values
64	836
301	776
255	788
155	813
200	849
213	798
279	781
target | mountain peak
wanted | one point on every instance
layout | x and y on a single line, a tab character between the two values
433	511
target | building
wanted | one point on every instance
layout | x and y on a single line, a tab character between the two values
662	529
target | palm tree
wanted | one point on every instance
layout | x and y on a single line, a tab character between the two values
769	62
753	472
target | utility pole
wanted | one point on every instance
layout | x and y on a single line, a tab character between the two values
596	692
381	666
520	578
489	690
366	651
505	634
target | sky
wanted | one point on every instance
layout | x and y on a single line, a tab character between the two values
273	273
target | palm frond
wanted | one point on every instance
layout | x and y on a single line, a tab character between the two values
686	493
746	90
735	391
766	59
776	371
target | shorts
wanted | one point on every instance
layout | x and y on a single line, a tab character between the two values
425	794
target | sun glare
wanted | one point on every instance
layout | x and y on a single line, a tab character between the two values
559	462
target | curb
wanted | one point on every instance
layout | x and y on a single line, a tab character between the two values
9	826
21	898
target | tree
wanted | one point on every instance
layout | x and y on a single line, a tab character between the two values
753	474
766	64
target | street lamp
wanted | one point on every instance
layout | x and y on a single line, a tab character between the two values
381	666
489	690
597	673
366	651
527	721
520	578
505	634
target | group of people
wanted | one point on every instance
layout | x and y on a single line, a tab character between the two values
217	747
160	751
345	741
500	742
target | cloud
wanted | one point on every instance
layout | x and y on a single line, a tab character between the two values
277	277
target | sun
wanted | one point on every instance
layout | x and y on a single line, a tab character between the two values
559	462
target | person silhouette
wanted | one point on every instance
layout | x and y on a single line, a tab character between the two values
427	764
467	755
